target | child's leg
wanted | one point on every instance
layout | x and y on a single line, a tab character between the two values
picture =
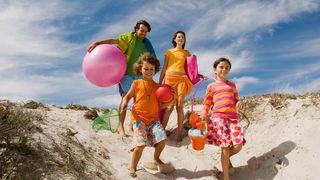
138	144
136	155
166	116
225	160
157	151
235	149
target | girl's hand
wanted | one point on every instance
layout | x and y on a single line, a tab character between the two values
240	105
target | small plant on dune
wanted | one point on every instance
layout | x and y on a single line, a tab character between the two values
77	107
314	98
16	126
91	114
279	101
197	101
15	121
34	105
24	157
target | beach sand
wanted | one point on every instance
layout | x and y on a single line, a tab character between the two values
282	143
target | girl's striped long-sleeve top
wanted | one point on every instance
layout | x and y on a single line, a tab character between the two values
223	96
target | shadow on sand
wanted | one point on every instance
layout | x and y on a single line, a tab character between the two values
183	173
172	138
266	166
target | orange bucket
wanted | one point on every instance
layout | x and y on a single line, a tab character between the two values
198	142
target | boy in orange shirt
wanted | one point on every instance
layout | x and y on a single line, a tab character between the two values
147	129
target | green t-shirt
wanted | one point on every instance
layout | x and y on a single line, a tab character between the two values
139	49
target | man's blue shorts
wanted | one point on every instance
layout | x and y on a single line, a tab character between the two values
125	83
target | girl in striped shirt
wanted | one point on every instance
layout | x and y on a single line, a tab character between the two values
224	129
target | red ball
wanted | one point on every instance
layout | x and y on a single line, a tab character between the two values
164	93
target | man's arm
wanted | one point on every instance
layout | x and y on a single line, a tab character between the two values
105	41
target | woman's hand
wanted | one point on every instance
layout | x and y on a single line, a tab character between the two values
204	77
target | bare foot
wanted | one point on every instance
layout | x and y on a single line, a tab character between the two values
132	173
121	132
158	161
180	136
178	139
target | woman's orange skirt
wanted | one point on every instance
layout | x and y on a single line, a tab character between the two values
181	84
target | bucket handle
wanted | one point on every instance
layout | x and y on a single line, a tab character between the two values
200	125
195	92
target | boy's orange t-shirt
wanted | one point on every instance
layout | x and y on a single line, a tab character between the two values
176	60
145	107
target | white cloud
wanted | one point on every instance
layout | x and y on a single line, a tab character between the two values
240	61
301	80
300	47
231	19
307	86
24	29
250	16
5	65
34	50
109	101
306	70
38	59
244	81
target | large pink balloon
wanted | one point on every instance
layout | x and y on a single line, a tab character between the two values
104	66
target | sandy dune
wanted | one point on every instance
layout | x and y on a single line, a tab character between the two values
282	143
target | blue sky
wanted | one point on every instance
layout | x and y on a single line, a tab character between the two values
274	46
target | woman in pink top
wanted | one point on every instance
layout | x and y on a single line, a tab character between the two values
173	74
224	129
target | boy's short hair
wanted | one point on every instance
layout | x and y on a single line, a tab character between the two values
146	57
222	59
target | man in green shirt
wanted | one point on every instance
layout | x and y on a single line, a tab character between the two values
132	44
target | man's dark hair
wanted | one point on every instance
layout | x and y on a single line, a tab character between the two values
144	23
